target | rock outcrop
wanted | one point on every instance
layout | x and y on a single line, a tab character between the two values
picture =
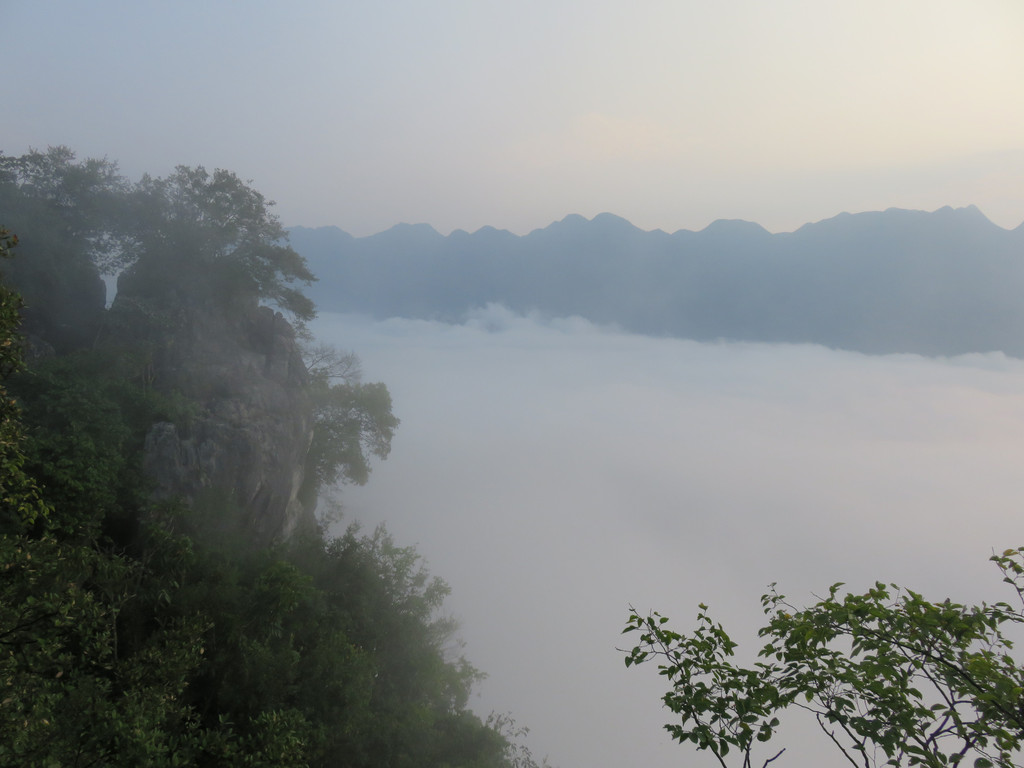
249	431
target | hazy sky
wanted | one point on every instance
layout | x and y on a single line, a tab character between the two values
514	114
554	473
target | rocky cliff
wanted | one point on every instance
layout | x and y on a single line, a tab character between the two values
250	423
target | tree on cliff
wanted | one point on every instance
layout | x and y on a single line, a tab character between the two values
192	236
198	251
69	216
891	678
352	419
204	236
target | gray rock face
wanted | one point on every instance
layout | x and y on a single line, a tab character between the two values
251	434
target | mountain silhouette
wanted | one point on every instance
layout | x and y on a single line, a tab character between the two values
945	282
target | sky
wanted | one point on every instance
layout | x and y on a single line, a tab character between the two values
555	473
466	113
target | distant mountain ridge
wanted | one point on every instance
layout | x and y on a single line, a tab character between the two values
945	282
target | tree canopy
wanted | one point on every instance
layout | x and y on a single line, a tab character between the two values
353	418
68	215
76	203
192	236
213	234
890	677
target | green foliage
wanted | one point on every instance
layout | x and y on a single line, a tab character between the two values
211	237
353	420
189	239
69	694
890	677
87	423
214	654
10	304
339	641
74	202
78	692
69	215
77	446
20	501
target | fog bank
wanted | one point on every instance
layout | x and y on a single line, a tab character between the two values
555	473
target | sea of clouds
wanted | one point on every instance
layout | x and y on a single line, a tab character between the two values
555	473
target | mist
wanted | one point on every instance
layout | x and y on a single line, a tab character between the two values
555	473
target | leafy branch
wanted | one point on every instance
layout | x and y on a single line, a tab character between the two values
890	677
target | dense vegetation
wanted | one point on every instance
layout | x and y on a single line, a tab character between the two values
141	633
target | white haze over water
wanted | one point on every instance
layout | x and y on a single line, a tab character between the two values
555	473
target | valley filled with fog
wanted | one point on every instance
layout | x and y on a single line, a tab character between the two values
554	473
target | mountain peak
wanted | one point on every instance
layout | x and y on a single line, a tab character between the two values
407	233
735	228
613	220
604	224
572	220
419	229
489	231
966	213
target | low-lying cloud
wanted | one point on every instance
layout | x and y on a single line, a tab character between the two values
555	473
